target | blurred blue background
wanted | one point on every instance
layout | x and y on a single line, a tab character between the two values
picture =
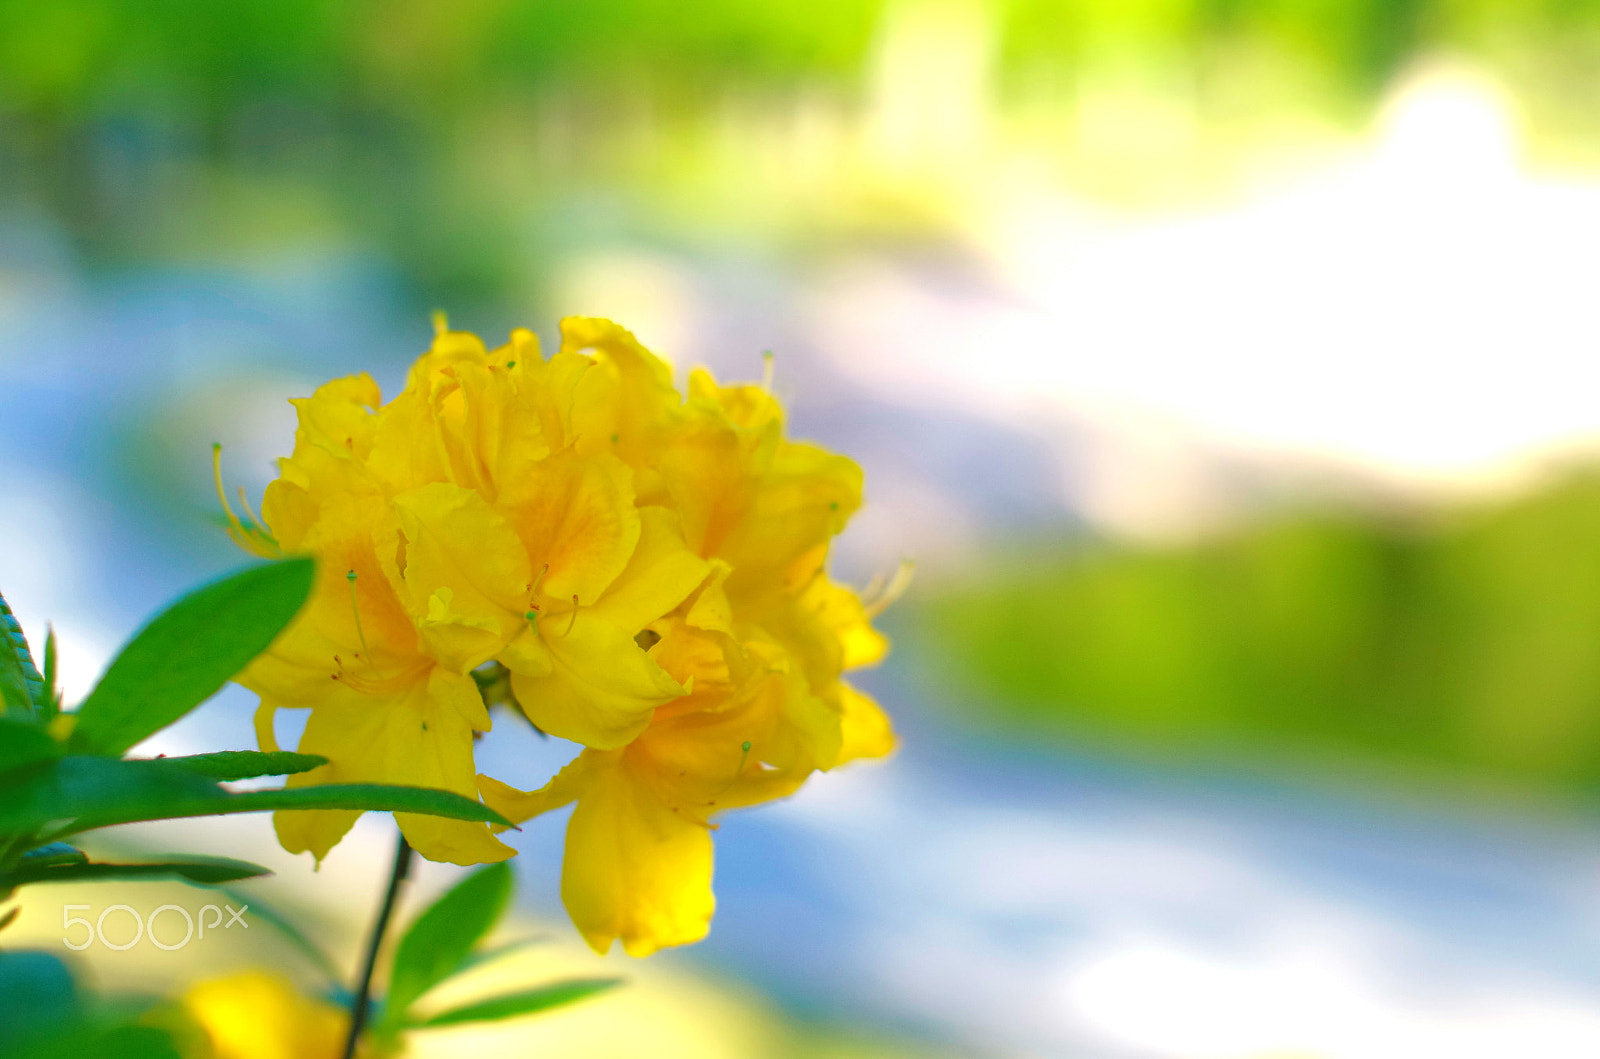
1228	368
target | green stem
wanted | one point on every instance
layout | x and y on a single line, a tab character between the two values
362	1001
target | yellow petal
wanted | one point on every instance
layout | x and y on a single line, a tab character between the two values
660	573
420	736
564	788
800	505
702	660
864	727
600	688
289	512
577	516
622	405
635	868
407	449
450	767
461	572
338	414
707	477
748	407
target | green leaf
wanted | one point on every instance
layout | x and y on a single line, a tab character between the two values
375	797
78	793
53	854
23	743
188	652
438	943
527	1002
21	687
50	704
194	869
247	764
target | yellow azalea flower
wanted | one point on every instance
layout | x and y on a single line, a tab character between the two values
650	570
455	525
383	709
257	1015
759	647
524	547
638	850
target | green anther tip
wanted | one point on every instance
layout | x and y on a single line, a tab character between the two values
350	575
745	746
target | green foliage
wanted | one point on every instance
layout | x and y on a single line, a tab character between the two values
444	941
1465	643
375	124
45	1014
188	652
247	764
525	1002
24	743
21	687
53	855
50	790
91	792
440	940
208	870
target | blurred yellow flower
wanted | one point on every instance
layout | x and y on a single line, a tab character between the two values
257	1015
650	570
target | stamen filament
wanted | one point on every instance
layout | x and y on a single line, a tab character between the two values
876	603
222	494
253	538
355	610
244	502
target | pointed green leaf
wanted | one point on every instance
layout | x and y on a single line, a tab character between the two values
21	687
188	652
526	1002
50	704
228	765
194	869
439	942
78	793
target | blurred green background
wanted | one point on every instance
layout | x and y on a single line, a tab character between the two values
1444	643
473	142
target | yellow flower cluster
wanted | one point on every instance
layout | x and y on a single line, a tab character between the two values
649	568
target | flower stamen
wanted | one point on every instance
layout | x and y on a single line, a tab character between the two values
878	597
254	539
355	610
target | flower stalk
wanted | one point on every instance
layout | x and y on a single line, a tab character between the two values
362	1002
